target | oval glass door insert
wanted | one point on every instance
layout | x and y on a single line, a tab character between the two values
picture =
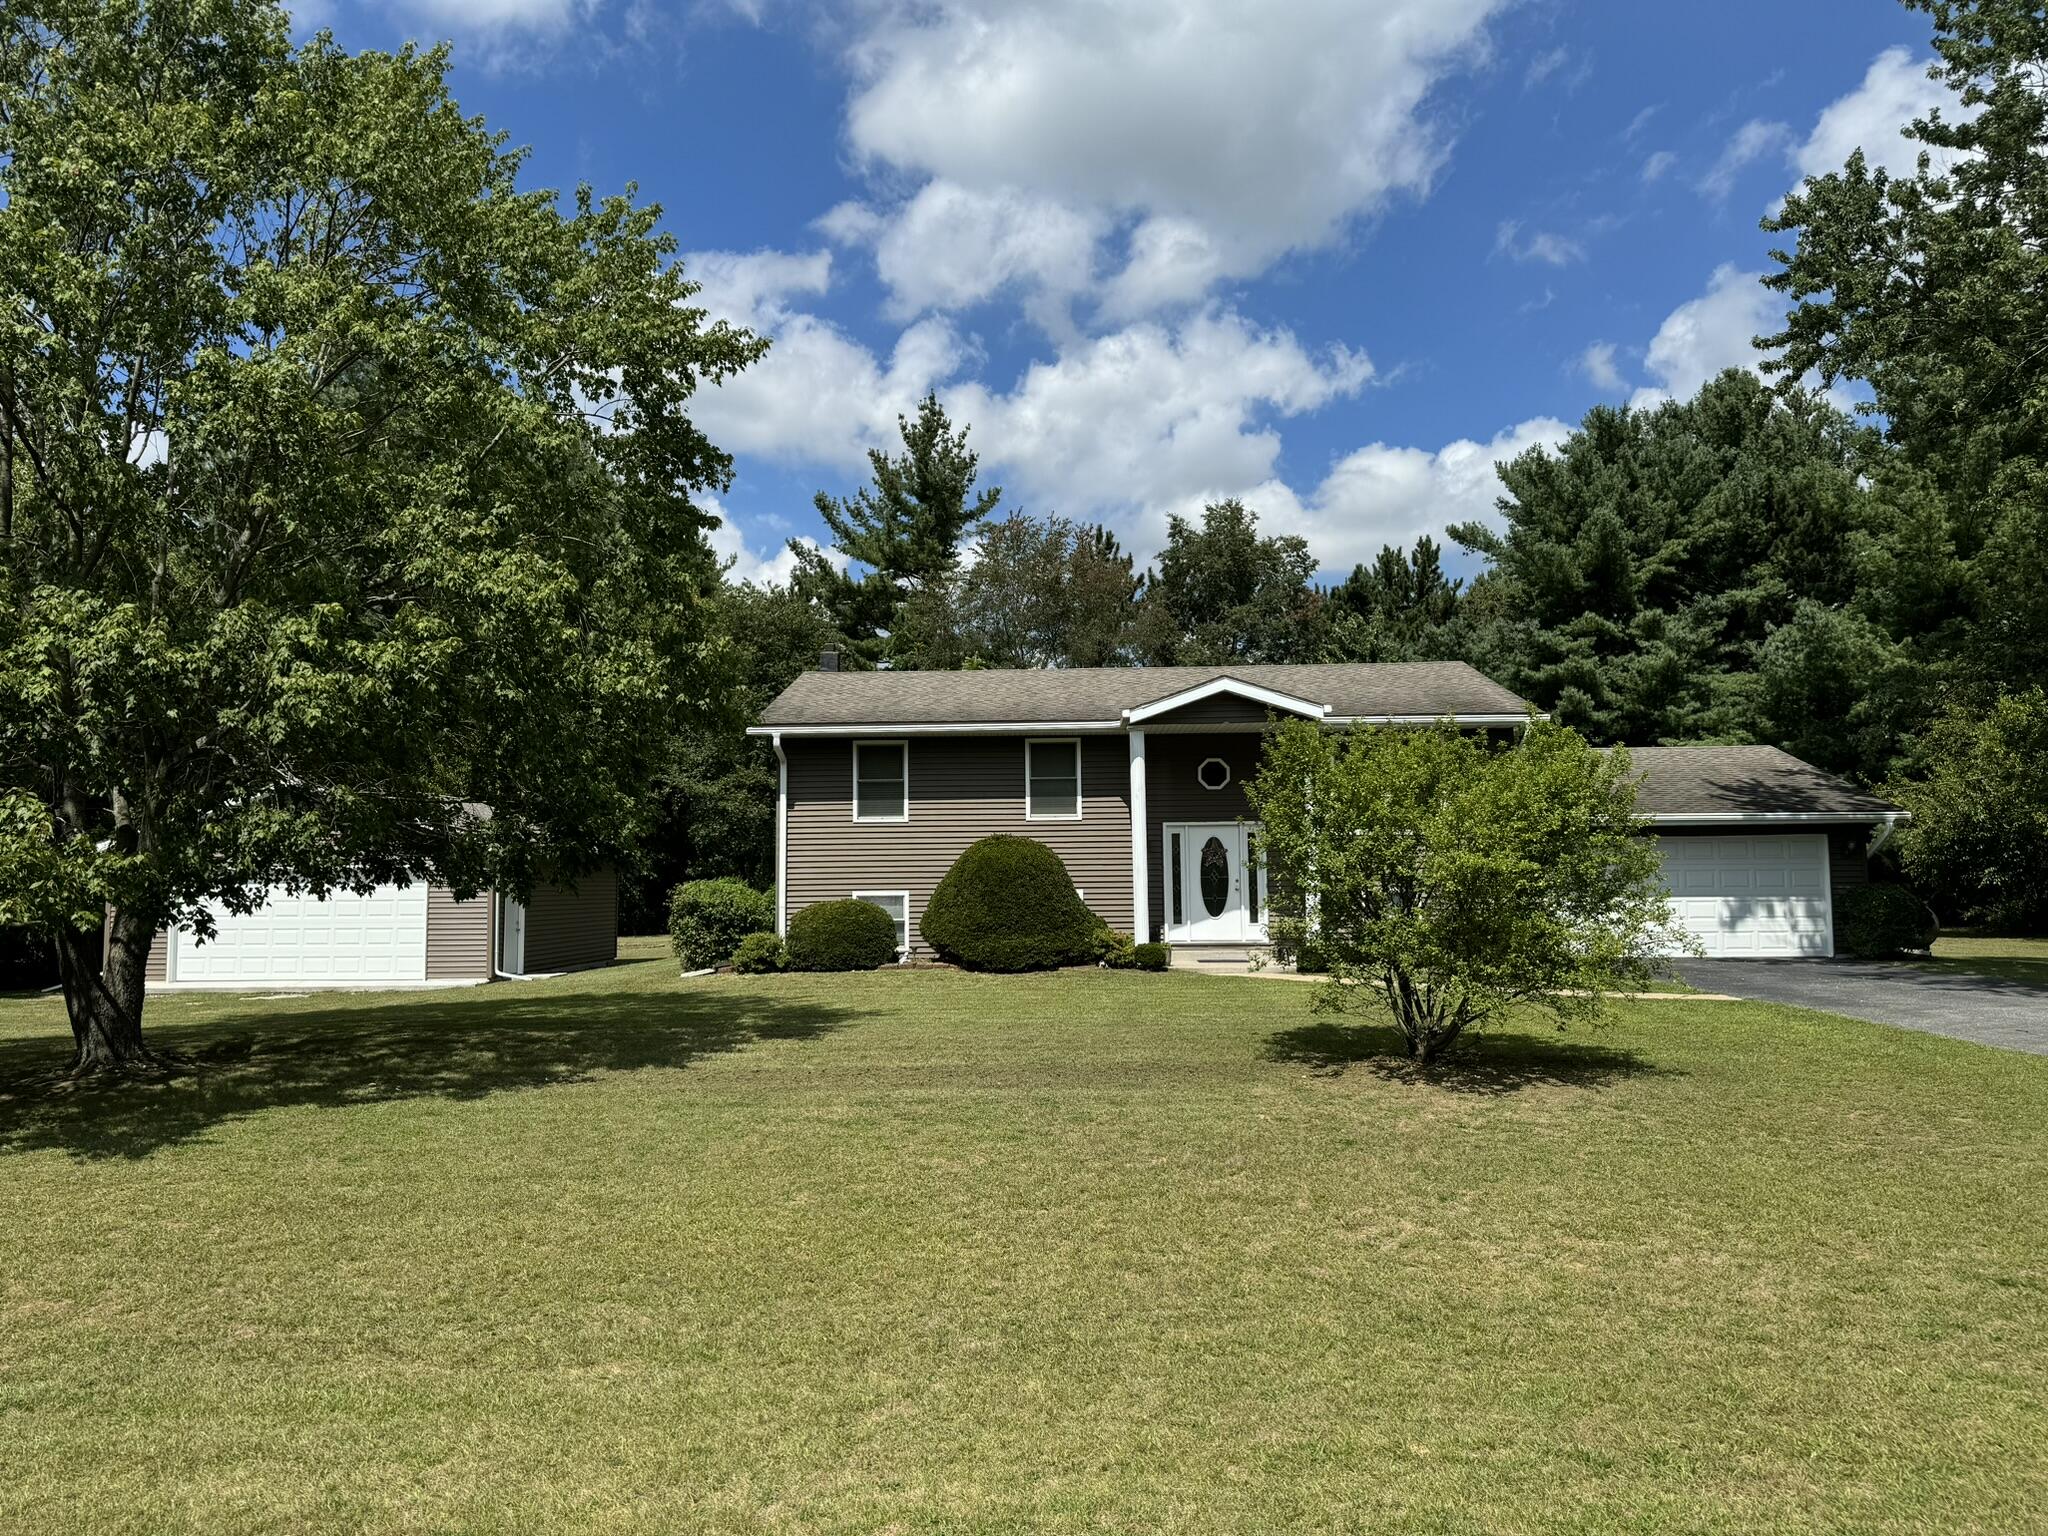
1215	876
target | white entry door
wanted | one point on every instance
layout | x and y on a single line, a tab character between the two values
345	938
1215	883
1752	898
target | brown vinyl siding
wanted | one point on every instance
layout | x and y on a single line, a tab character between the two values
568	928
1173	793
458	936
1219	709
158	966
961	788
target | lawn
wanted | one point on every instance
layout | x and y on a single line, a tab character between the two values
1089	1252
2024	961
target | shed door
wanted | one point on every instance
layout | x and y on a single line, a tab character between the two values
289	939
1752	898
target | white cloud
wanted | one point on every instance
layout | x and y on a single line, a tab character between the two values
1657	164
1752	141
1388	494
493	18
1895	90
948	247
1551	249
1597	364
1706	335
750	287
1220	138
1544	65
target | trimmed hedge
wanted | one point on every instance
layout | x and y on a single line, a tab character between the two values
1879	920
759	953
1152	957
841	936
708	918
1008	904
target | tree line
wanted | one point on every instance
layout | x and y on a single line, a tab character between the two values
1865	588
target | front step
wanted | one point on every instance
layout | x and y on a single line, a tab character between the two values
1226	959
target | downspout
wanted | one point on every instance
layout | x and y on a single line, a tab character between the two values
1885	829
781	834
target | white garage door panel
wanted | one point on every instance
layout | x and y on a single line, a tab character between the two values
378	937
1751	897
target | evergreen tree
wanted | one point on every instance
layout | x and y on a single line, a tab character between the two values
900	536
1402	607
1225	592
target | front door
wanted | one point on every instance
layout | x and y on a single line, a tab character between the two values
1215	883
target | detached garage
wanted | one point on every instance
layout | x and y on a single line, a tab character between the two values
396	936
1756	846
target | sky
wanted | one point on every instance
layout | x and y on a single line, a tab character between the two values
1334	257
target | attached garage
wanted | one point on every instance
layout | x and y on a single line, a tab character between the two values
1752	898
1757	845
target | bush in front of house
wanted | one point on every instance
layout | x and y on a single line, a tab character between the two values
1115	949
1008	904
759	953
841	936
1151	957
708	918
1880	920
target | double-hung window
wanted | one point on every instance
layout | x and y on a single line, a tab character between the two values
881	781
1052	779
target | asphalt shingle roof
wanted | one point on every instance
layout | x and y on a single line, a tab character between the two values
1427	689
1705	781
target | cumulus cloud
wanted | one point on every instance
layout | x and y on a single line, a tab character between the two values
1210	137
748	287
1706	335
949	247
1597	364
1895	90
1752	142
1389	494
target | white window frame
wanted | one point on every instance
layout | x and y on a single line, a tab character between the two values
903	949
1052	741
902	747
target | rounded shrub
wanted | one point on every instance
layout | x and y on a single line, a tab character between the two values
759	953
841	936
1151	957
1008	904
1879	920
708	918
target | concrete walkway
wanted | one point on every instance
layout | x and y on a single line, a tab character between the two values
1961	1005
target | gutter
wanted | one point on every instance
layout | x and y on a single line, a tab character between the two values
1110	727
1888	819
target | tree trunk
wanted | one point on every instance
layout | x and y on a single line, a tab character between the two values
103	989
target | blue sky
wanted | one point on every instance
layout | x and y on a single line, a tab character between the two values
1332	256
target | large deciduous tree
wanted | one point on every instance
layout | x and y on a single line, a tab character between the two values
1450	882
1978	843
345	488
1225	592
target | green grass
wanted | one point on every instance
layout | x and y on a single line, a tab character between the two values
2024	961
1088	1252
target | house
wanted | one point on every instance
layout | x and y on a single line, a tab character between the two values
396	936
1135	777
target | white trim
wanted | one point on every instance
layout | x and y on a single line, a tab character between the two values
866	728
1052	741
782	834
1827	885
1247	871
899	728
1141	874
1774	818
1272	698
1204	783
903	950
854	796
505	905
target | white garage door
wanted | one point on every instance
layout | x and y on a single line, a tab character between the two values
296	939
1752	897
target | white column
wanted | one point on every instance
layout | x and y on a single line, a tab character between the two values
1141	873
781	836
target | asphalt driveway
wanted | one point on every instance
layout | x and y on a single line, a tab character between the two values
1987	1009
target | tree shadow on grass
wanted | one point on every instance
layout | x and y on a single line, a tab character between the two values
1490	1064
458	1046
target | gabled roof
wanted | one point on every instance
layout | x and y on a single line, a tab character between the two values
1706	785
1101	697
